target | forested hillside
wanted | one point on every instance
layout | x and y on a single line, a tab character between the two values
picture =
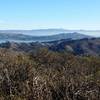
48	75
79	47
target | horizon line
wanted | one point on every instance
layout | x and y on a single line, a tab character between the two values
52	29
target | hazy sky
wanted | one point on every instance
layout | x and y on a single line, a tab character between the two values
35	14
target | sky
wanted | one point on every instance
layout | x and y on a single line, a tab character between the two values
41	14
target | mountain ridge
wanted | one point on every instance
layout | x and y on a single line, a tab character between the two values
77	47
59	36
51	31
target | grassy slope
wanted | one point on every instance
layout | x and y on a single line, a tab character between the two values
48	75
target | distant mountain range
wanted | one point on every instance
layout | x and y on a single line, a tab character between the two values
29	38
73	42
45	32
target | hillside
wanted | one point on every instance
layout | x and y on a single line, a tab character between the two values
77	47
56	70
47	75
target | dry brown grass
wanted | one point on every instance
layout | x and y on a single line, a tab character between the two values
48	75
